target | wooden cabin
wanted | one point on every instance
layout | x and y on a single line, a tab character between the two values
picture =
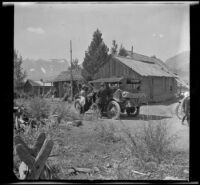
37	88
65	78
157	82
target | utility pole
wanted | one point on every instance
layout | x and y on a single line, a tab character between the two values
71	70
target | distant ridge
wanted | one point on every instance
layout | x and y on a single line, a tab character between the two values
179	64
44	69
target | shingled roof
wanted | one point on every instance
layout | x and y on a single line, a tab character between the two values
144	65
66	76
33	83
38	83
152	59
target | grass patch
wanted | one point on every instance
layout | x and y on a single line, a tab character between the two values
106	132
151	150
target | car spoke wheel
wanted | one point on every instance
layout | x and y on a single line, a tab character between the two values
77	106
179	111
134	111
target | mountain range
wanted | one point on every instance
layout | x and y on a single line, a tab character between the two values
44	69
49	69
179	64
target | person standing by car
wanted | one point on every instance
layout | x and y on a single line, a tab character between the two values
67	91
103	96
186	108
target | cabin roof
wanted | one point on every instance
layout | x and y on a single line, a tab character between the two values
66	76
144	66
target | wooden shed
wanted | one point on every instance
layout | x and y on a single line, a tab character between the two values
157	82
65	77
37	88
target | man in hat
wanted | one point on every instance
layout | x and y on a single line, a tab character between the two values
104	94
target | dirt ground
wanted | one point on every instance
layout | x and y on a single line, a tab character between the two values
88	146
149	113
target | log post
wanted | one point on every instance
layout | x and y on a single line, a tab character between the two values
42	157
35	158
39	142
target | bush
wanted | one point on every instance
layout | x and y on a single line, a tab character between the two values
157	140
39	108
152	144
65	112
106	132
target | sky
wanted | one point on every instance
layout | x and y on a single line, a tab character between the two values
45	30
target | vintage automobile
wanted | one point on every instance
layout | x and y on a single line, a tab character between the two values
83	104
121	101
125	102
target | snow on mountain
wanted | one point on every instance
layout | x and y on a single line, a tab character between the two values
44	69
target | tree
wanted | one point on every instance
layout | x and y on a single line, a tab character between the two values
122	51
75	65
19	74
114	47
96	55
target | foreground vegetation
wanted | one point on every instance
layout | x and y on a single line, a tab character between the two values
108	151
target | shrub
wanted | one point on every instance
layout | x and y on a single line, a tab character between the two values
152	144
39	108
64	111
134	145
157	140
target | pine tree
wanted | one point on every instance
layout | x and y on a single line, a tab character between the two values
19	74
75	65
95	56
122	51
114	48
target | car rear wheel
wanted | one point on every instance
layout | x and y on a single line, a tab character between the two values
134	111
179	111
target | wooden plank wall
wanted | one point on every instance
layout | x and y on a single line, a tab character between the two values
161	85
117	69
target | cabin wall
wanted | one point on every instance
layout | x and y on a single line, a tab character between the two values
56	86
156	88
145	86
159	88
47	89
60	90
28	88
31	90
115	68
